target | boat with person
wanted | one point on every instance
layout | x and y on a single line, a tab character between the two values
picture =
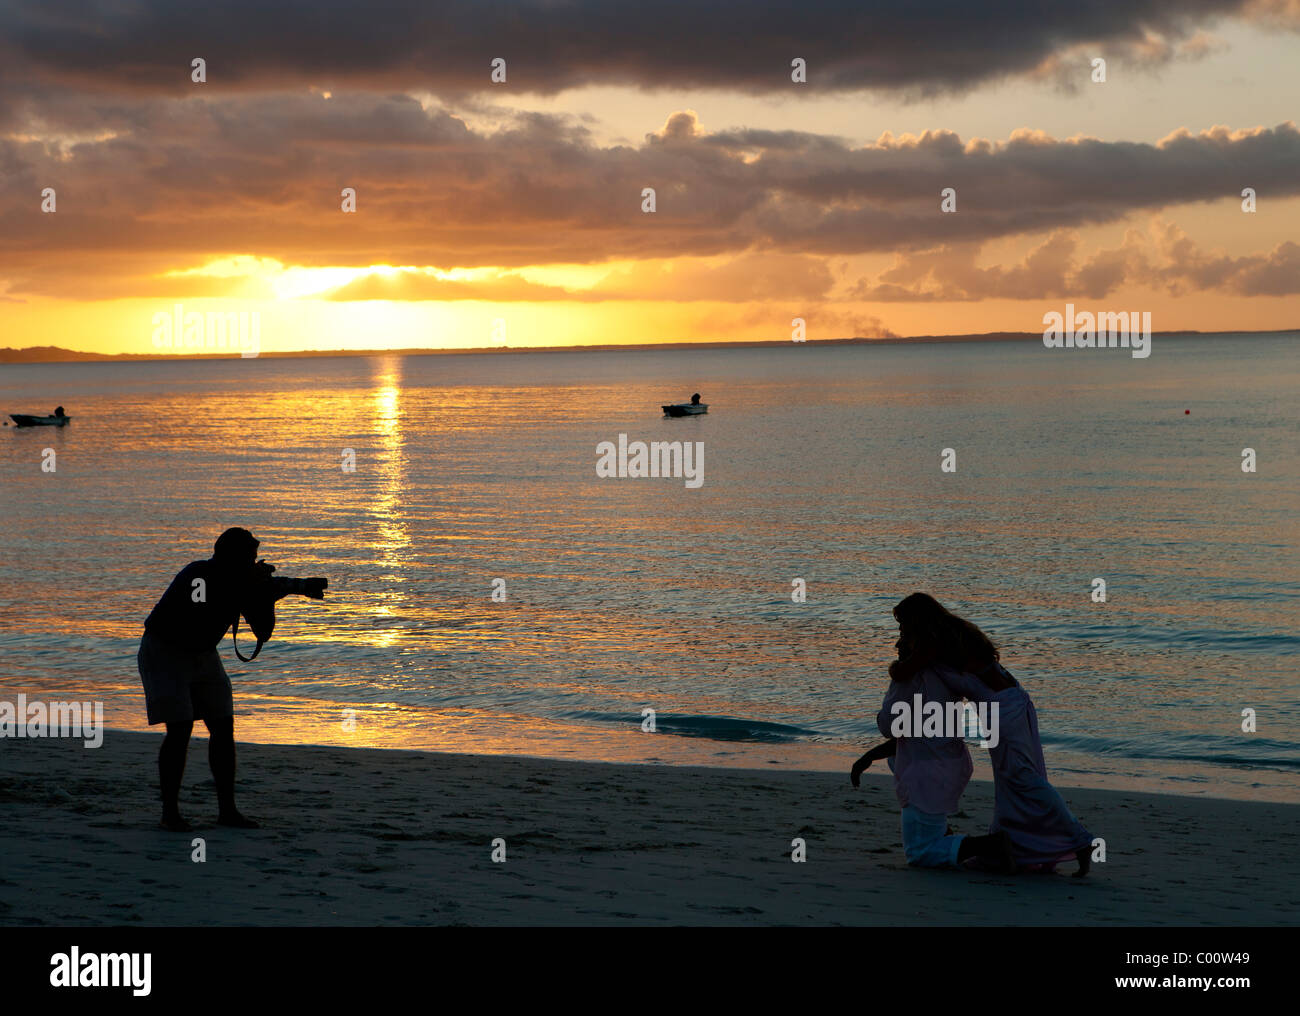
693	408
56	419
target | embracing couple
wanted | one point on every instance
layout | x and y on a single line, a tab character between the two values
943	659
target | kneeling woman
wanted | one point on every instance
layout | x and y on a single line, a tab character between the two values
1027	807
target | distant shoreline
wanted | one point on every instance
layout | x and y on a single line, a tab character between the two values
60	354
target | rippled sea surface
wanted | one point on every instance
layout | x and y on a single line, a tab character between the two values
820	463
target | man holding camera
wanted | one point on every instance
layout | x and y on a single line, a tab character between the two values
182	672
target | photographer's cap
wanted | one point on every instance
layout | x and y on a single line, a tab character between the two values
235	543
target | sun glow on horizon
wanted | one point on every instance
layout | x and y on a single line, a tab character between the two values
292	282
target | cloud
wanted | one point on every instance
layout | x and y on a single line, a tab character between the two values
950	273
748	277
1277	13
744	279
1184	267
1145	52
1163	258
413	284
168	184
106	47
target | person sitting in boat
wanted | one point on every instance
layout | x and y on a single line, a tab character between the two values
695	399
58	411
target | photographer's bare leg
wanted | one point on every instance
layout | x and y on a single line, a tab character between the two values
221	757
171	770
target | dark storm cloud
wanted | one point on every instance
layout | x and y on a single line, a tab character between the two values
832	197
922	46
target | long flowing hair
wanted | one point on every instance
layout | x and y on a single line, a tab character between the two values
951	639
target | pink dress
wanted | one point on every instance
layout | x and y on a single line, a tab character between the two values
1042	829
930	773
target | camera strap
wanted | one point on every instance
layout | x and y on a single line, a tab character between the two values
234	638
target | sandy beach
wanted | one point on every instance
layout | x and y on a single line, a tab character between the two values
388	837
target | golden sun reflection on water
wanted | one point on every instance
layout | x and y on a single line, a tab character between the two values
394	539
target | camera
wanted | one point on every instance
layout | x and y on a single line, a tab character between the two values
313	588
282	586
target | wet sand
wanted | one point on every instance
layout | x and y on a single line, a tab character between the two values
376	837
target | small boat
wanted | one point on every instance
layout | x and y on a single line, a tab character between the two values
24	420
693	408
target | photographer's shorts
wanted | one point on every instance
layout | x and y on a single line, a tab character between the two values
181	686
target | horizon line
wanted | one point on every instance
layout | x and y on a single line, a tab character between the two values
63	354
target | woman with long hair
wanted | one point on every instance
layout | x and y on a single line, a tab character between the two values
1043	831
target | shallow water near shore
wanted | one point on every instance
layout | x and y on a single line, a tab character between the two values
821	463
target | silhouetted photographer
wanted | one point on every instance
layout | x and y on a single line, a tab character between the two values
183	677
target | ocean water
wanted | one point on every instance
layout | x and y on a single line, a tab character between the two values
821	463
